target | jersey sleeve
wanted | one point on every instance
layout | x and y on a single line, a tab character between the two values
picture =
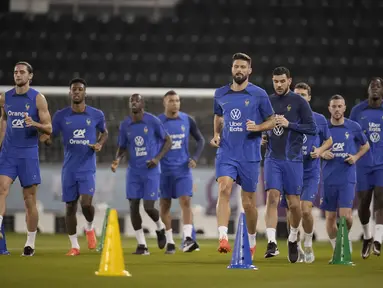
265	107
217	108
324	131
354	113
56	125
159	128
307	125
360	137
101	123
197	135
122	137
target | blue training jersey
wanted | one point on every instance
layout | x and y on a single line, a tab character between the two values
371	121
286	143
143	140
177	159
21	141
311	165
77	131
346	140
252	103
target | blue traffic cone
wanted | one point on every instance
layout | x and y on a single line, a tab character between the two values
3	243
241	258
194	237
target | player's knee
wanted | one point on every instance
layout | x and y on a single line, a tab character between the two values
149	206
378	200
134	206
184	202
165	206
331	219
273	198
306	210
224	189
4	189
71	208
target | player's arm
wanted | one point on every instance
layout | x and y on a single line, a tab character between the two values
218	124
197	135
354	113
325	139
161	134
267	113
45	125
121	148
103	136
56	130
3	119
360	139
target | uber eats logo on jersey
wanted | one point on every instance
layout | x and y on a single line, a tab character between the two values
17	122
235	126
374	129
140	151
338	150
78	137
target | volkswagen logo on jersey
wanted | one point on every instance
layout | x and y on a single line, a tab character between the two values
234	126
139	141
78	137
278	130
374	137
235	114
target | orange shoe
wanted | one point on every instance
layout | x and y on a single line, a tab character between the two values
91	238
252	251
224	246
73	252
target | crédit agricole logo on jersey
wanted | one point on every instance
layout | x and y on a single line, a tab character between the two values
18	121
177	139
79	137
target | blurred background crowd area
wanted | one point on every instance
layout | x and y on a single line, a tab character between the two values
333	45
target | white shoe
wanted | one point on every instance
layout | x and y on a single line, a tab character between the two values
309	255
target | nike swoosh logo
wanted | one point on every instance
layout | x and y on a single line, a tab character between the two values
225	103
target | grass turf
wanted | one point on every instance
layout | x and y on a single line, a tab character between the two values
206	268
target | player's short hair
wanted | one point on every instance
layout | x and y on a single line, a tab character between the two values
170	93
77	80
336	97
242	56
26	64
281	70
136	95
303	85
376	79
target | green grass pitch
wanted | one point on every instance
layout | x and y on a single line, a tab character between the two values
206	268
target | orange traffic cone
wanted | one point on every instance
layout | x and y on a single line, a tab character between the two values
112	258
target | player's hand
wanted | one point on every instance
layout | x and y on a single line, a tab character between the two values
251	126
192	163
280	120
215	141
114	165
327	155
45	138
152	163
29	121
316	153
264	140
351	159
96	147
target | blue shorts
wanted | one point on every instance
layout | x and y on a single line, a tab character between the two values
140	186
175	186
76	184
284	176
26	169
337	196
309	191
368	178
244	174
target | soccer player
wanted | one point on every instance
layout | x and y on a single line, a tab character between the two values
313	147
339	170
242	111
176	177
78	124
142	136
283	159
369	115
25	114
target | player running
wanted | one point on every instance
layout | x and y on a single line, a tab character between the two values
142	136
284	157
24	115
245	111
369	115
176	177
78	124
313	147
339	170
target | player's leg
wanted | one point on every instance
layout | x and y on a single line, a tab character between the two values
301	253
225	175
248	174
86	189
8	174
29	176
151	194
346	201
378	208
293	184
274	187
134	193
166	194
329	203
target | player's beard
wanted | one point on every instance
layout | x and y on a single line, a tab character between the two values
240	78
281	91
21	84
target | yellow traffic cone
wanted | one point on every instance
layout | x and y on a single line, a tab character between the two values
112	258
